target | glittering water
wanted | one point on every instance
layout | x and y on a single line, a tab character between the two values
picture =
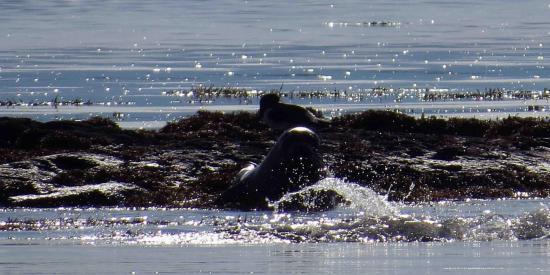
126	54
503	236
366	217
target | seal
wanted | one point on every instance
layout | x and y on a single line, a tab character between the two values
293	163
282	116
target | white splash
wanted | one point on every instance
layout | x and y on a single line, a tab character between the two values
360	198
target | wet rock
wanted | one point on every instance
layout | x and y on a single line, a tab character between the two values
104	194
68	162
189	163
57	135
449	153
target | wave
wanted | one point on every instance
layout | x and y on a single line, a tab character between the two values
361	216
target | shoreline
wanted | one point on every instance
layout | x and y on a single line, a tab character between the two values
136	117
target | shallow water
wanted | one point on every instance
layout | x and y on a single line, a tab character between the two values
528	257
123	53
368	234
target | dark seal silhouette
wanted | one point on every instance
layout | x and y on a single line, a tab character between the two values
292	164
282	116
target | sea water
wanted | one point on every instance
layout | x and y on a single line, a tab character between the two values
367	235
137	61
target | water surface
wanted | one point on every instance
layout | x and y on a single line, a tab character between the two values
136	61
123	53
370	234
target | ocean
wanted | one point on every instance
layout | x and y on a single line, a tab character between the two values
145	63
138	62
371	236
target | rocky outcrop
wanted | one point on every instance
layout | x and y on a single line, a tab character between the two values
189	163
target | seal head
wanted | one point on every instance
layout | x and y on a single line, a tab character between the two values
282	116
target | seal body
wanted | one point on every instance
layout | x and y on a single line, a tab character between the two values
290	165
282	116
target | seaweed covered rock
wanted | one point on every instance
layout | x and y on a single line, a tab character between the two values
237	125
189	163
25	134
377	120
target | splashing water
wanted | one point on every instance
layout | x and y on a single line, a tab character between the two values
362	216
352	195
